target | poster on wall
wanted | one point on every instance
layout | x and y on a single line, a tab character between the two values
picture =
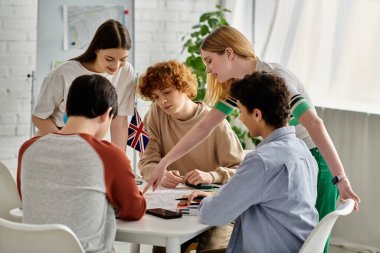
81	21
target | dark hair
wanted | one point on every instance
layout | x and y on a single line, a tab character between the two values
91	96
266	92
110	34
168	74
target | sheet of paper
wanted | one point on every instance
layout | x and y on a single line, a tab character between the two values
165	197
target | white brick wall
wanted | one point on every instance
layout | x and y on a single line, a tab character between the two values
18	22
159	27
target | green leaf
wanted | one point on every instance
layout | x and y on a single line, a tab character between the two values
223	21
193	49
204	17
204	30
213	22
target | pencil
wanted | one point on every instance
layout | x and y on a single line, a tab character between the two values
196	198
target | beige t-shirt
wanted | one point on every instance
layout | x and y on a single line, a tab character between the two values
220	153
51	101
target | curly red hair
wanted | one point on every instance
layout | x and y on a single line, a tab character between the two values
167	74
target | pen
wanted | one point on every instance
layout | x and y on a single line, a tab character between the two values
196	198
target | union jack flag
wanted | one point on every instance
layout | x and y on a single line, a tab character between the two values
138	138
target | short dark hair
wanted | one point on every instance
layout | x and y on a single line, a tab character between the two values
266	92
91	96
110	34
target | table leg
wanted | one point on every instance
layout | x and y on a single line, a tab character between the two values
173	245
135	248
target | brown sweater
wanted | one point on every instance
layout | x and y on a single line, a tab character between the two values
220	153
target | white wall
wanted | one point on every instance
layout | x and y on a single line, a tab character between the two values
18	20
159	27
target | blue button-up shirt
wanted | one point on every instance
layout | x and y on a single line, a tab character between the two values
271	197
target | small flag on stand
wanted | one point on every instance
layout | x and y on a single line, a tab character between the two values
138	138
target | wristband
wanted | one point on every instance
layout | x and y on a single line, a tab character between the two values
337	179
213	178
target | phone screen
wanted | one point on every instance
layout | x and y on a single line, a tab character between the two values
163	213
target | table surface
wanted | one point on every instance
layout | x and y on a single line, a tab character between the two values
153	230
157	231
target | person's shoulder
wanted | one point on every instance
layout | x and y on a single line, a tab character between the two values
66	70
154	112
27	144
222	126
102	146
67	66
127	69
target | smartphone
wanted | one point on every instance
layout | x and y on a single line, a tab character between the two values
202	186
163	213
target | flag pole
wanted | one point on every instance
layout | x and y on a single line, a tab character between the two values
134	155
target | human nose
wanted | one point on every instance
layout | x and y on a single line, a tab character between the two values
116	64
163	100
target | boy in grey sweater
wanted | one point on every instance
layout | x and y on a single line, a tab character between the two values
74	177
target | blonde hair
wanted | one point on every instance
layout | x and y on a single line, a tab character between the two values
217	42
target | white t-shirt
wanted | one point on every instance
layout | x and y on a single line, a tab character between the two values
299	99
53	94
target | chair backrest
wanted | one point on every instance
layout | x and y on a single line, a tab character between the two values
9	198
50	238
315	243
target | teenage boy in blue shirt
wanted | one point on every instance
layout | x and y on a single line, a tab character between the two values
273	193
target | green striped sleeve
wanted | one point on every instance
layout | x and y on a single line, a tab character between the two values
301	108
224	108
293	122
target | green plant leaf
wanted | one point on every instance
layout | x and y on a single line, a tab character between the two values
204	17
204	30
213	22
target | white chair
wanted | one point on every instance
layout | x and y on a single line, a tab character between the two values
315	243
9	198
51	238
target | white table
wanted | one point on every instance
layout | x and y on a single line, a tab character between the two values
157	231
153	230
160	232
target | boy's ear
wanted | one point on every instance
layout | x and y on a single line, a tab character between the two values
105	115
257	115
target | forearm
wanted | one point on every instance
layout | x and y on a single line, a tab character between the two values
322	140
119	131
44	126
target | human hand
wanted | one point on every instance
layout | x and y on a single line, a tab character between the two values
195	194
196	177
345	192
172	179
157	176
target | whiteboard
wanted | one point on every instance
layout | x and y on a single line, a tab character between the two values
50	33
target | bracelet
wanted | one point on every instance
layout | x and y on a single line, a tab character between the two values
338	178
213	178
